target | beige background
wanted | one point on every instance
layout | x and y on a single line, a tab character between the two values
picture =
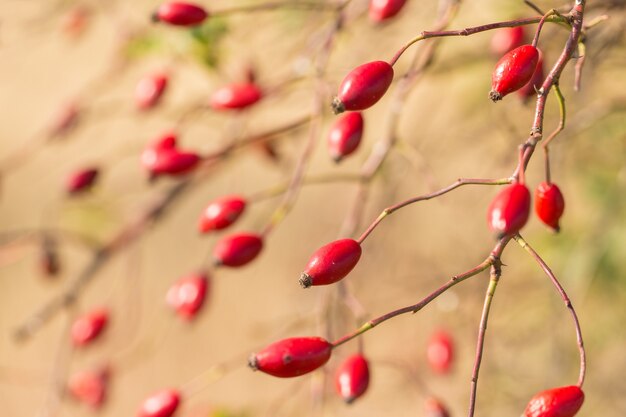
451	125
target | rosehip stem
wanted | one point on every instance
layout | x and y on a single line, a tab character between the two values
552	12
458	183
415	307
566	300
560	127
482	330
477	29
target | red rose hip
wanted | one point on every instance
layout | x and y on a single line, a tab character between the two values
352	378
549	204
221	213
440	352
331	263
363	87
509	210
292	357
535	83
81	181
513	71
345	135
556	402
163	158
506	39
89	326
187	295
384	9
89	387
434	408
180	14
150	90
237	249
160	404
236	96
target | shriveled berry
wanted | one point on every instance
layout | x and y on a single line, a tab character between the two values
435	408
238	249
556	402
187	295
345	135
363	87
221	213
331	262
150	90
535	83
292	357
163	158
513	71
236	96
180	14
75	21
509	210
81	180
440	351
160	404
90	386
89	326
384	9
506	39
352	378
549	204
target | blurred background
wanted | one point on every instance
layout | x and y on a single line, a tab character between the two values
68	77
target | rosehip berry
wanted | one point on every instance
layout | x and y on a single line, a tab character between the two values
549	204
363	86
187	295
163	158
384	9
238	249
149	91
434	408
345	135
331	262
513	71
440	352
221	213
556	402
160	404
506	39
81	181
352	378
90	386
180	14
292	357
535	83
509	210
89	326
236	96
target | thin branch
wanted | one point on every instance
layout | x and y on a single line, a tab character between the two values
560	127
415	307
473	30
491	289
566	301
458	183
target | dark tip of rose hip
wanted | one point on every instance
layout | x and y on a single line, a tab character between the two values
337	158
217	263
338	106
154	17
253	363
305	280
349	400
495	96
